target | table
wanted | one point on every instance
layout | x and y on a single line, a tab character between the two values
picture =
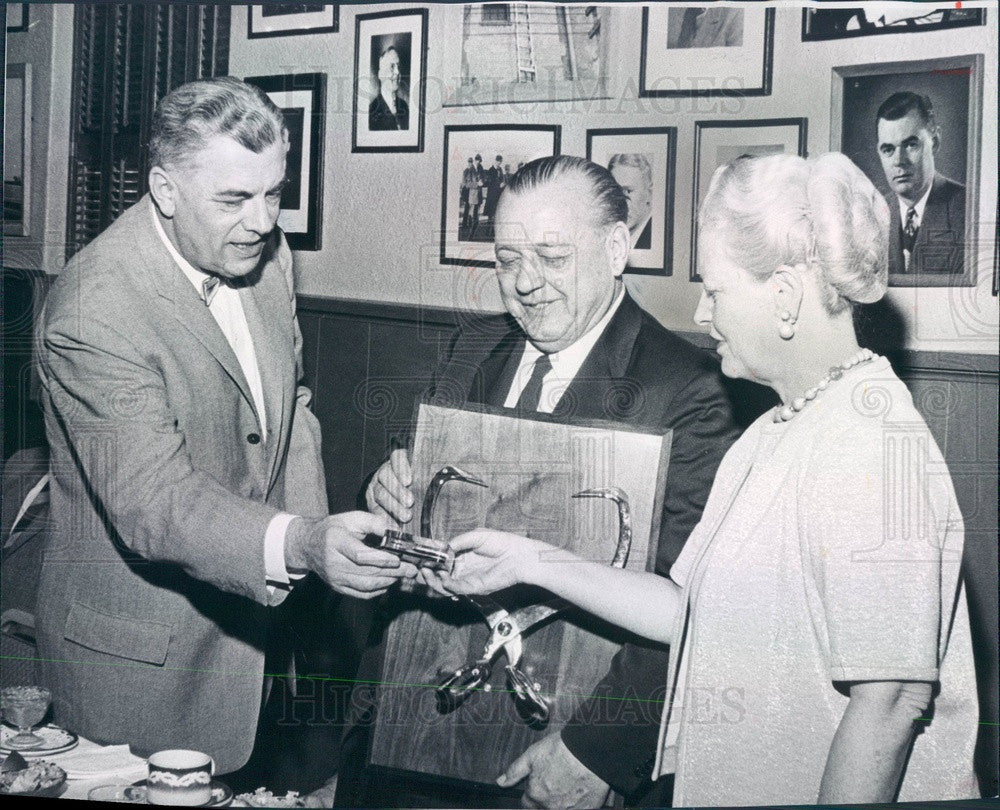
79	788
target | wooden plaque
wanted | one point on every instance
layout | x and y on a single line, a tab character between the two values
532	467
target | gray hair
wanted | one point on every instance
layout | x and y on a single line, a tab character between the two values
194	112
822	212
636	160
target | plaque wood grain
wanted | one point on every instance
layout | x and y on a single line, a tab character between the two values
532	467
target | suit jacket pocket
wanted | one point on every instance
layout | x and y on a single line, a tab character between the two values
121	636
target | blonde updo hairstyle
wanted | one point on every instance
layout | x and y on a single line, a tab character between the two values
821	212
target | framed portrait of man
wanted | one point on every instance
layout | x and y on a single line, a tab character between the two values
642	160
716	50
914	129
719	142
390	71
301	97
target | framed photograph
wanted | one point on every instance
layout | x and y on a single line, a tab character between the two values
643	161
302	99
289	19
478	159
17	17
17	150
390	80
914	129
719	142
503	53
842	23
706	51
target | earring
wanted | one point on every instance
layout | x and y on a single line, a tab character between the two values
786	331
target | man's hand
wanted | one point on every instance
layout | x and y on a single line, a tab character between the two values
332	548
556	778
388	492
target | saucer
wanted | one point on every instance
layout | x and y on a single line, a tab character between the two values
222	794
55	740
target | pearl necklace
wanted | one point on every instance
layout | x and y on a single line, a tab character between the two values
786	412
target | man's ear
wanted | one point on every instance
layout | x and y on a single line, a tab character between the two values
619	244
786	293
163	190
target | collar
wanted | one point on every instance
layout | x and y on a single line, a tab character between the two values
205	284
566	362
919	207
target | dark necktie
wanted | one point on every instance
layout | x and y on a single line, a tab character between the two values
910	229
528	401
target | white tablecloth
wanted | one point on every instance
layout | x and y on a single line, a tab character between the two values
79	788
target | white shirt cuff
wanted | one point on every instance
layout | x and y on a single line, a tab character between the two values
274	552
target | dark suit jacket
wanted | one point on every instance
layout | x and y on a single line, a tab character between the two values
940	244
380	117
637	372
645	239
153	614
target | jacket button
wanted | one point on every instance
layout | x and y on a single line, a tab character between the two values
253	438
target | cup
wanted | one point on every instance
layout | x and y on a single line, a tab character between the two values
180	777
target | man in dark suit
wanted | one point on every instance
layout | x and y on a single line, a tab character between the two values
928	215
575	344
495	179
388	110
187	487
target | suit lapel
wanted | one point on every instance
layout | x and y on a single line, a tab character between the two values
933	222
269	341
495	375
607	363
183	301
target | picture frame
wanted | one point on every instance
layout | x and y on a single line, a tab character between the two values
302	100
17	150
643	161
845	23
944	251
292	19
17	17
719	142
466	219
679	43
393	43
567	59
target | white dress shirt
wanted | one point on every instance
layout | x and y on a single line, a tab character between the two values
565	363
227	309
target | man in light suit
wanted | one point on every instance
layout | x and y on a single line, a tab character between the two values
927	233
187	488
576	345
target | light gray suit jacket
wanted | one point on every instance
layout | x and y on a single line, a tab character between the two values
153	609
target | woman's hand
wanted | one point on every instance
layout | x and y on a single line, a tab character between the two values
488	560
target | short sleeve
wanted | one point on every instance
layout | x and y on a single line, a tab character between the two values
873	522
